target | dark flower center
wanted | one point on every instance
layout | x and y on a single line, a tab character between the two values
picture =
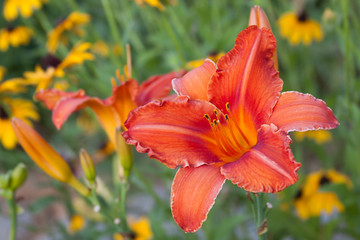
59	21
213	53
302	16
50	61
3	114
324	180
299	194
10	28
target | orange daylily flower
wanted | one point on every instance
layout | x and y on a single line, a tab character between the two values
45	156
230	121
113	111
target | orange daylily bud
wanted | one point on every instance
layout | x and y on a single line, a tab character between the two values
45	156
258	17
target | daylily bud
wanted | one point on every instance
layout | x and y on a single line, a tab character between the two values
258	17
124	152
5	180
87	166
45	156
18	176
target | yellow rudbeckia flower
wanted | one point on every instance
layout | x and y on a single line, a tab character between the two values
77	56
77	223
14	85
140	227
2	72
54	67
197	63
299	28
311	201
20	108
14	37
319	136
153	3
71	23
25	7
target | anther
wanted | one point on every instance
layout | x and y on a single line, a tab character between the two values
227	106
226	117
207	117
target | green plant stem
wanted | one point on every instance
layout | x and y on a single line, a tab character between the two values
13	216
44	21
260	215
123	220
165	23
95	202
112	23
148	187
346	33
121	186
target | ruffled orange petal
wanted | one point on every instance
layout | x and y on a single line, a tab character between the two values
193	194
106	114
51	96
268	167
246	77
156	87
195	83
301	112
174	132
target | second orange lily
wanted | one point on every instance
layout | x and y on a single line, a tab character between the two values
113	111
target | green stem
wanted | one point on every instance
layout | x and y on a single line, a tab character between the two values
95	201
123	220
260	216
112	24
121	186
346	34
13	216
165	23
148	187
73	5
44	21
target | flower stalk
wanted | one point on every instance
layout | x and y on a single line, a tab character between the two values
13	215
260	216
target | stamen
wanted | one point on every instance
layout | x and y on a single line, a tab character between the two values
226	150
237	127
113	82
225	137
128	58
118	76
216	114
